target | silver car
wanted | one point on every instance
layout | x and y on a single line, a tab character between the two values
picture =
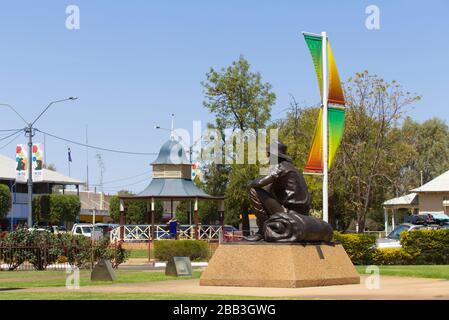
393	239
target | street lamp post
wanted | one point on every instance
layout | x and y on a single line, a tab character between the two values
29	131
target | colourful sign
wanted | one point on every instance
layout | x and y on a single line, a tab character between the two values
38	162
196	171
21	163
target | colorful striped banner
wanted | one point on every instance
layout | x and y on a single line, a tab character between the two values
336	113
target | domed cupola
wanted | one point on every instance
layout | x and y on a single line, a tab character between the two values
172	162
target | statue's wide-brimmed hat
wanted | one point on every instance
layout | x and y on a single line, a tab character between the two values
279	149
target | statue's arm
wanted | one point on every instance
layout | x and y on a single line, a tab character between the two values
262	182
275	173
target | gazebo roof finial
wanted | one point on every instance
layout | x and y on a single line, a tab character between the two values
172	129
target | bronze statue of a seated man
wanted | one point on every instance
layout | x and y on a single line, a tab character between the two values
281	203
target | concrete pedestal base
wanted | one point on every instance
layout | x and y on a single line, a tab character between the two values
279	265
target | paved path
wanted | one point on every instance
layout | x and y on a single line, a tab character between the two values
390	288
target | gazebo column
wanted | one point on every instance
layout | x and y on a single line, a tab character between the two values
221	212
195	219
386	220
392	220
149	228
150	210
122	219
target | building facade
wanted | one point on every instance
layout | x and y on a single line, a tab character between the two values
53	182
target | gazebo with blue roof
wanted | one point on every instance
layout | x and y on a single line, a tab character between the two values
172	180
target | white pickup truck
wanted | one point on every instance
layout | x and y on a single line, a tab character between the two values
85	229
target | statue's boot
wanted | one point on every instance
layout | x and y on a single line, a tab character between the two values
254	238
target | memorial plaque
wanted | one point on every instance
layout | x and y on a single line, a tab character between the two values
179	267
103	271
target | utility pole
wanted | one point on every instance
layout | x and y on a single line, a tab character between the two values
30	131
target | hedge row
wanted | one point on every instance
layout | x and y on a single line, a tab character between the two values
194	249
42	249
418	247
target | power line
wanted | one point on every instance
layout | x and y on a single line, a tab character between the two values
99	148
10	135
10	141
126	185
9	130
124	179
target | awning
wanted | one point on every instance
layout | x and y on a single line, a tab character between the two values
408	201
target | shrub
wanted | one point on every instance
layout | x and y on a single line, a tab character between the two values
43	248
359	247
77	249
427	246
62	259
5	200
391	256
194	249
118	255
10	253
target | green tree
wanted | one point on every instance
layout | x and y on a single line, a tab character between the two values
239	100
371	163
372	151
136	211
64	208
41	208
182	212
430	141
5	201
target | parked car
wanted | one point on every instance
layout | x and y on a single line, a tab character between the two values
51	229
393	239
231	233
106	227
85	229
435	217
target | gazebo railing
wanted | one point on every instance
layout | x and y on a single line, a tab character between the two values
142	233
187	233
209	232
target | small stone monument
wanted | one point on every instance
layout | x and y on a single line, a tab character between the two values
103	271
179	267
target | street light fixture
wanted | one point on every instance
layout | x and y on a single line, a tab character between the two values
30	132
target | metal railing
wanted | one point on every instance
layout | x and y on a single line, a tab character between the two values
142	233
51	256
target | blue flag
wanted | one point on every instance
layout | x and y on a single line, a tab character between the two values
69	154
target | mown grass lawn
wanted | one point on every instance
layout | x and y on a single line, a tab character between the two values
11	295
33	279
419	271
9	281
140	253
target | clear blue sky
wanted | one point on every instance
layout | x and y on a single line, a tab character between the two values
133	63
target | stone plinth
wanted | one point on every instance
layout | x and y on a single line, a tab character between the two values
290	265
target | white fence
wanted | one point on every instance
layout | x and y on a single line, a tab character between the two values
142	233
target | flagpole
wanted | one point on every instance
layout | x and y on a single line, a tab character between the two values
325	131
68	158
87	161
